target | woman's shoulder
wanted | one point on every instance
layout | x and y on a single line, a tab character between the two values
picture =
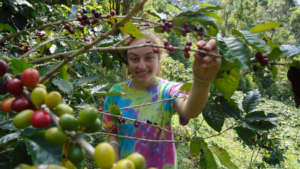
118	87
167	83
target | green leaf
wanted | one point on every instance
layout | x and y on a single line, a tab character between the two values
251	100
247	135
63	85
274	71
253	40
214	117
87	79
207	160
66	7
265	26
186	87
227	80
214	15
237	52
216	110
18	66
42	152
114	109
23	2
223	156
64	73
259	125
7	27
9	137
131	29
230	107
275	54
195	146
261	116
290	50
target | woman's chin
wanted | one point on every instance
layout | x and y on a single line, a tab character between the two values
144	79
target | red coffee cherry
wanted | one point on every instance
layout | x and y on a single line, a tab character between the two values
155	50
170	48
112	12
187	55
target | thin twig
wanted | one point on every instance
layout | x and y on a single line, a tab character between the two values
35	28
119	48
140	105
38	46
54	56
220	132
135	138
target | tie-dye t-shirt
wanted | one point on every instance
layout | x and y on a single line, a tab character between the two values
161	155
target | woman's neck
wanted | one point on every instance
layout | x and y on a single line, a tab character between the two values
137	85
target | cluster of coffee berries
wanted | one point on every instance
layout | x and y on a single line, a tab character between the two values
112	13
185	30
69	28
41	35
168	46
187	48
167	25
24	48
262	58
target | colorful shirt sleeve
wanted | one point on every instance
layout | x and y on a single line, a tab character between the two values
173	91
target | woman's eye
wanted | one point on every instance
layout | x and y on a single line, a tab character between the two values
134	59
150	57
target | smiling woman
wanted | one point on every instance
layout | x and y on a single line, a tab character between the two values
145	86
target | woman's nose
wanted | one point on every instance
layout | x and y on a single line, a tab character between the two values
142	65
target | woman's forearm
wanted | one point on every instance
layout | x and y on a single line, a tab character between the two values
193	105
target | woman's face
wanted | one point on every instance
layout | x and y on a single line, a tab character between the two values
143	63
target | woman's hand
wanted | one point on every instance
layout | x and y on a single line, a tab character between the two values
206	67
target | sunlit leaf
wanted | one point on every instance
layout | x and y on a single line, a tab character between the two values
131	29
186	87
195	146
265	26
227	80
223	156
18	66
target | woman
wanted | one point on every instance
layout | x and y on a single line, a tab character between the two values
145	87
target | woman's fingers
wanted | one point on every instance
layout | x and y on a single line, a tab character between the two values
201	44
210	45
